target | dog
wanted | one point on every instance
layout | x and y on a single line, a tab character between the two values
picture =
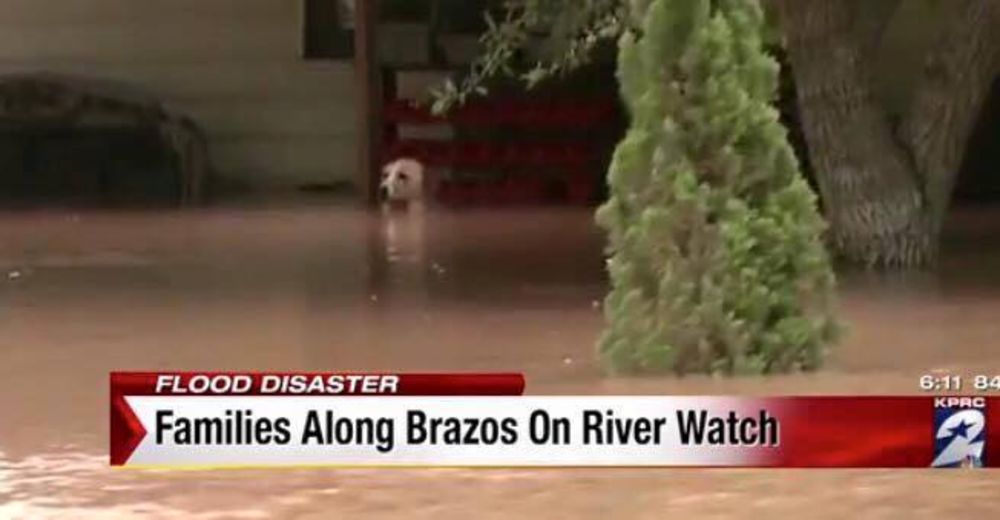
402	190
403	185
403	229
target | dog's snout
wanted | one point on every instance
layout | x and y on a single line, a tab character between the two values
383	193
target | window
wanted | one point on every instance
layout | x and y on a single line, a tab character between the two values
328	29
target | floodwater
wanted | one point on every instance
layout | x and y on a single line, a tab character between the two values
309	287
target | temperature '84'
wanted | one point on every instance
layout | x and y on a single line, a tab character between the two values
986	383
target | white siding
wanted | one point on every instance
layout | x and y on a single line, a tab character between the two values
274	120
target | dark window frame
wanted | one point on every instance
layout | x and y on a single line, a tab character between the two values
324	35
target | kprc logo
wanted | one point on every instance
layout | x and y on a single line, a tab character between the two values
960	432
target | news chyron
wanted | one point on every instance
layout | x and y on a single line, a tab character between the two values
274	419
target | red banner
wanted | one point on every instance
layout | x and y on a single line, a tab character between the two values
871	432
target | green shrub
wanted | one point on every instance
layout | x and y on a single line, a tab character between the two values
715	252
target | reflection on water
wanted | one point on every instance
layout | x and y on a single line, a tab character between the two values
82	294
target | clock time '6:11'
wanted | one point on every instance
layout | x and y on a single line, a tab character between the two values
940	383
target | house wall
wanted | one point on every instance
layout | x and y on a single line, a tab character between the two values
273	119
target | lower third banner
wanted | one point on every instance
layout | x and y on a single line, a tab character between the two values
164	428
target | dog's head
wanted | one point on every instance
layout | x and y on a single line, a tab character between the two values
402	181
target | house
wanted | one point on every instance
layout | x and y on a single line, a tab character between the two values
274	119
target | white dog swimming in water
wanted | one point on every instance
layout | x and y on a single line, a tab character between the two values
402	192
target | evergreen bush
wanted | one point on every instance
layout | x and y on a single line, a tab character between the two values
715	253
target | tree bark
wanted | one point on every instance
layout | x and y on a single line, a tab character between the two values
884	194
872	195
871	17
957	80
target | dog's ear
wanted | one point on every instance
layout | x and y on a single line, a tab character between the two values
419	168
413	168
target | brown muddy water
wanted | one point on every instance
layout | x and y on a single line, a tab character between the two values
321	288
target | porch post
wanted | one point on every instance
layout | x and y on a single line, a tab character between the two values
369	98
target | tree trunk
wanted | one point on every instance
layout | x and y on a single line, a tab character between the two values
871	192
886	195
958	77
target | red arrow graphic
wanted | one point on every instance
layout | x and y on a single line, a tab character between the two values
126	429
